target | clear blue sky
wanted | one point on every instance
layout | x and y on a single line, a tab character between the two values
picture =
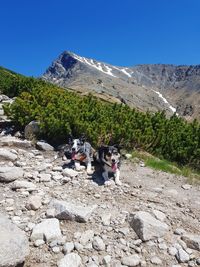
121	32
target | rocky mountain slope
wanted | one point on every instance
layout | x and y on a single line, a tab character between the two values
70	219
147	87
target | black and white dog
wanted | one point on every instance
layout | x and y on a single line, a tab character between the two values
109	158
80	151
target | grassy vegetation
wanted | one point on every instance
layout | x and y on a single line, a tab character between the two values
166	166
162	165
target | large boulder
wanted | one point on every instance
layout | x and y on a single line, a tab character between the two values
47	230
192	241
13	141
9	174
70	260
32	130
147	227
44	146
14	246
5	154
71	211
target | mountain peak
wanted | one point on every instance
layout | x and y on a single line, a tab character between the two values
147	87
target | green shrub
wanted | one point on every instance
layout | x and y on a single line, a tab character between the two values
61	112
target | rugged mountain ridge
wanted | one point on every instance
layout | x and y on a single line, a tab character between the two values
146	87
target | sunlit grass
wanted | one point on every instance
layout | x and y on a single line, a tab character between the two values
165	166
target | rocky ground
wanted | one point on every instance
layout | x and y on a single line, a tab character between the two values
68	218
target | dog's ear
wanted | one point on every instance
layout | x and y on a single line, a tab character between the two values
118	147
70	139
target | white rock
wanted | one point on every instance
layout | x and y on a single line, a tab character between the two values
29	186
72	211
159	215
186	186
9	174
44	177
39	242
192	241
50	213
106	217
182	256
47	230
155	260
14	246
86	237
34	203
5	154
56	250
78	246
106	260
70	260
179	231
128	156
70	173
172	251
13	141
133	260
98	243
147	227
68	247
44	146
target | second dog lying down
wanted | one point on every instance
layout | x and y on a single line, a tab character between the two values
109	158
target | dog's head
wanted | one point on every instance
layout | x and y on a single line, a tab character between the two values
75	145
112	154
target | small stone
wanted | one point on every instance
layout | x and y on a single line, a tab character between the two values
68	247
124	230
162	246
56	250
78	246
48	229
50	213
179	231
198	261
128	156
44	177
147	227
44	146
98	243
155	260
159	215
182	256
70	260
106	260
86	237
186	186
172	251
106	217
133	260
34	203
39	242
192	241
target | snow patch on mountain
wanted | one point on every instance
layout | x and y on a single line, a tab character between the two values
123	70
97	65
165	101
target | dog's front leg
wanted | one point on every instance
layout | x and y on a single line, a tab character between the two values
117	174
105	176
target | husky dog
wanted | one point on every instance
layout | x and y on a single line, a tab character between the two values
109	158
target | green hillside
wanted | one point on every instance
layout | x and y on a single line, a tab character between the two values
61	112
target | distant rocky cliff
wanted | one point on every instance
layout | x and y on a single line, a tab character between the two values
146	87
